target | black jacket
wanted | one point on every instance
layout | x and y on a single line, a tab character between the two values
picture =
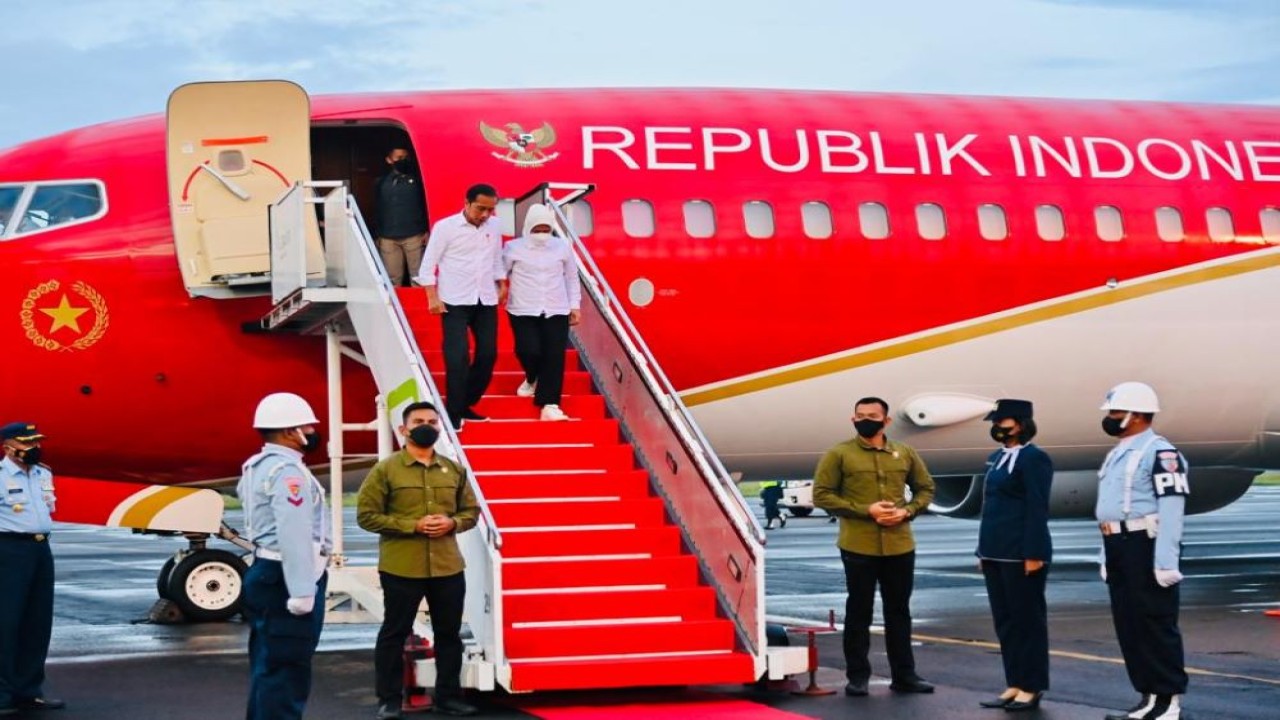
402	209
1015	508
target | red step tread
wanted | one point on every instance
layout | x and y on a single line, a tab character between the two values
648	512
510	407
696	603
632	672
576	382
674	571
507	361
603	457
656	541
632	484
617	639
538	432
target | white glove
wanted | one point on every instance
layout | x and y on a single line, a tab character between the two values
301	605
1168	578
1102	570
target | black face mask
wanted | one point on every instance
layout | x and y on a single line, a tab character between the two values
868	428
30	457
1001	434
1112	426
312	442
424	436
403	165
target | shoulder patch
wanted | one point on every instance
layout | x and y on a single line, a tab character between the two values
1169	474
293	484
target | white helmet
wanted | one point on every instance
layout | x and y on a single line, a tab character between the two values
1132	397
280	411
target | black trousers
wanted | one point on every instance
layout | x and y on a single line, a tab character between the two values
896	576
467	377
1145	616
401	598
26	616
540	346
281	644
1022	622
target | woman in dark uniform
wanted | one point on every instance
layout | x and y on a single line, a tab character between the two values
1014	551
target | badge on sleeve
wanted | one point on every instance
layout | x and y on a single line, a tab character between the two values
294	486
1170	474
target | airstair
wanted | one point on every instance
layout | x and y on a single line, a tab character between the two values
613	550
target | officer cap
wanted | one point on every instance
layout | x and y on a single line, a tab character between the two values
1006	408
20	431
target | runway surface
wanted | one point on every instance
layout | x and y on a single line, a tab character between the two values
109	667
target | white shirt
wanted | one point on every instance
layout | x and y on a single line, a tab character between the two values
544	280
468	260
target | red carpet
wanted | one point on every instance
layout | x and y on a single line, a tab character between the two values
681	705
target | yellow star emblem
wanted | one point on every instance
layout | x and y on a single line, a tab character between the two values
65	315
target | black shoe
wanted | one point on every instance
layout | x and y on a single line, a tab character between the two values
7	711
1032	704
388	711
454	706
782	521
911	685
856	688
1137	711
41	703
473	416
995	703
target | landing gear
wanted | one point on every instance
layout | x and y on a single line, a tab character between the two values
199	584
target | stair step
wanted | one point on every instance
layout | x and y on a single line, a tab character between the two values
648	670
510	407
576	382
646	512
656	541
616	457
673	571
631	484
537	432
695	603
507	361
618	639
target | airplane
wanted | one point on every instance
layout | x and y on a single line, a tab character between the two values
782	253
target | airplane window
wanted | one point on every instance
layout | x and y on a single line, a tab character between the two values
56	204
1050	223
1110	223
506	214
699	219
637	218
582	217
817	220
1270	225
873	218
1169	224
759	218
931	221
1221	228
9	196
992	223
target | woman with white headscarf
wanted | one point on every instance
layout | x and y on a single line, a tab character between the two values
545	299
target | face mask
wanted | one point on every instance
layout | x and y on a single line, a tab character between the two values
540	239
868	428
403	165
30	456
424	436
1114	426
1000	434
310	441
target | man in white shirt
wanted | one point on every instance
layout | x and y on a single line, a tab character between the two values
463	274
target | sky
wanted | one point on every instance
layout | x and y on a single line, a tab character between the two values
78	62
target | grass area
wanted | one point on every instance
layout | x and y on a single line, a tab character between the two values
231	502
750	488
1268	479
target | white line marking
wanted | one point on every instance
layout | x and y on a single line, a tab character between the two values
622	656
584	498
585	589
572	558
569	528
596	623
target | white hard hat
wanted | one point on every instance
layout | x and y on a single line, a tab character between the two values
1132	397
279	411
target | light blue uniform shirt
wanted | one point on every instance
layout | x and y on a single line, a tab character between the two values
28	499
1160	488
284	512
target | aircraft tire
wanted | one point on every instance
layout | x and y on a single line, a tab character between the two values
162	580
208	585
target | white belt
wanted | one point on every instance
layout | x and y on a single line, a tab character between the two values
266	554
1142	524
321	557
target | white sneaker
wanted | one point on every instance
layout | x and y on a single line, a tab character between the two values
553	412
526	389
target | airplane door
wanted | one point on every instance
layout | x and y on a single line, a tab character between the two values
232	149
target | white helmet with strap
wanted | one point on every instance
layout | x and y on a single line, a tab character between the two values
280	411
1132	397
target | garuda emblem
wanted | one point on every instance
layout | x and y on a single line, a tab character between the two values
521	148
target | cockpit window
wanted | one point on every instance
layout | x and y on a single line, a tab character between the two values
36	207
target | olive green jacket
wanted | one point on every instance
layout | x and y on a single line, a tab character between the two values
853	475
400	490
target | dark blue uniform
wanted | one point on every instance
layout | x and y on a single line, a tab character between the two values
1015	528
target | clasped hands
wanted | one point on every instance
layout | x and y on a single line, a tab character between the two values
886	514
434	526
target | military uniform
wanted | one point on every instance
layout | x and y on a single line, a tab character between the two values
1141	500
26	575
286	518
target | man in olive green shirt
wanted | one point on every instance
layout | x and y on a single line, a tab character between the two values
418	501
863	481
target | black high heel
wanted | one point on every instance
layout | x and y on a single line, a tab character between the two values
1032	704
995	703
